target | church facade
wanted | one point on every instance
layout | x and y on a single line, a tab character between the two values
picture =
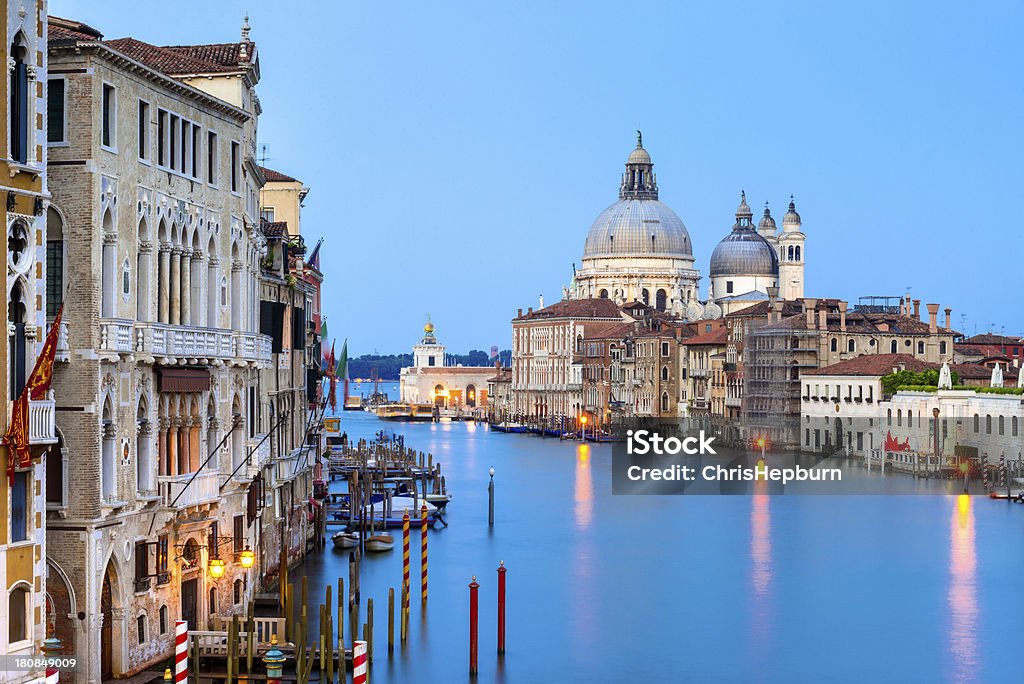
638	249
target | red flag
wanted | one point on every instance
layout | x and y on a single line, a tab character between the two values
19	455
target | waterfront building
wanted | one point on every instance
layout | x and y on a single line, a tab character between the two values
25	189
638	248
780	345
289	293
430	380
705	373
156	244
989	349
546	377
499	393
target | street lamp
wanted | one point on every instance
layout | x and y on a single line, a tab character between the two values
247	558
217	567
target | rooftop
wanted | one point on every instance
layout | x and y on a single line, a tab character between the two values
273	176
575	308
875	365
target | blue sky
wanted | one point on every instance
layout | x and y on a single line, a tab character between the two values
458	153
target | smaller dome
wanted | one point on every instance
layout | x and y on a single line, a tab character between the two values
744	252
428	328
792	219
767	223
639	156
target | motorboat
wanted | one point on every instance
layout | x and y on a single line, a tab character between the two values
345	540
380	542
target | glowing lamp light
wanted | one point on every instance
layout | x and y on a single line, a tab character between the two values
247	558
761	442
583	420
217	568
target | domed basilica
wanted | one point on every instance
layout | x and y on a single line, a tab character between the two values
638	249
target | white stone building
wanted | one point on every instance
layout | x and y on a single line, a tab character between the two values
431	381
154	226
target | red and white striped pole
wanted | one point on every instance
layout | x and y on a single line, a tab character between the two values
501	607
358	662
180	652
52	675
423	552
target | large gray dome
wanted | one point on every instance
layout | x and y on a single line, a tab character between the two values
744	252
638	227
638	224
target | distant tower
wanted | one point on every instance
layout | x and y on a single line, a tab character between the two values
428	353
791	255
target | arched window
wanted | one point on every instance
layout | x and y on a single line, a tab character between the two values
893	347
834	345
140	628
899	417
238	591
126	279
142	273
664	401
977	423
645	295
108	455
798	252
163	619
1002	426
19	99
17	614
603	294
471	395
213	601
17	350
664	372
661	300
1013	426
107	267
54	261
988	424
851	346
789	253
910	418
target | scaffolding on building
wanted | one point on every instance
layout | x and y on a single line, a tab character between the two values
775	354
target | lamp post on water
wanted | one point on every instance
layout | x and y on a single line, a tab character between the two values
490	498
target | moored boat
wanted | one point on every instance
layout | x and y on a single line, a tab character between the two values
509	427
345	540
380	542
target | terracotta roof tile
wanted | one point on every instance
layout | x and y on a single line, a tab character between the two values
717	336
973	371
875	364
575	308
276	176
988	338
275	228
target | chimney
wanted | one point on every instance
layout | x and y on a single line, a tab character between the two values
529	310
773	295
809	305
933	314
906	305
917	309
949	312
541	302
823	317
842	316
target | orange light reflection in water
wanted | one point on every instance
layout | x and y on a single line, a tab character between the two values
963	602
584	494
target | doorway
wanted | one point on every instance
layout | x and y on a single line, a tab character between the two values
189	602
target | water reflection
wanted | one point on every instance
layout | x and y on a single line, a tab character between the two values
584	494
760	566
963	603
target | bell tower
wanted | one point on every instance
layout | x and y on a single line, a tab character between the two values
791	255
428	353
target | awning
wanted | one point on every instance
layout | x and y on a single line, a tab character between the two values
184	379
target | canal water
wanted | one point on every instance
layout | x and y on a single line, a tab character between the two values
606	588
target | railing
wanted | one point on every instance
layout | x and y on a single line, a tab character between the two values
176	491
264	627
116	335
42	420
699	372
162	339
733	402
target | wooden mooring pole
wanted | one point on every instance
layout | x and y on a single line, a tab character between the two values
391	620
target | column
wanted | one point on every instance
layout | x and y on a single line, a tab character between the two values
236	295
144	465
196	298
175	287
181	435
163	276
186	286
195	456
172	447
143	278
212	440
164	467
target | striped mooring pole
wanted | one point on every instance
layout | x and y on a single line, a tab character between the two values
358	662
405	561
52	675
423	552
180	652
984	470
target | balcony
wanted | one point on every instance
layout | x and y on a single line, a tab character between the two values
258	457
699	372
42	420
165	341
176	492
63	354
734	402
116	335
